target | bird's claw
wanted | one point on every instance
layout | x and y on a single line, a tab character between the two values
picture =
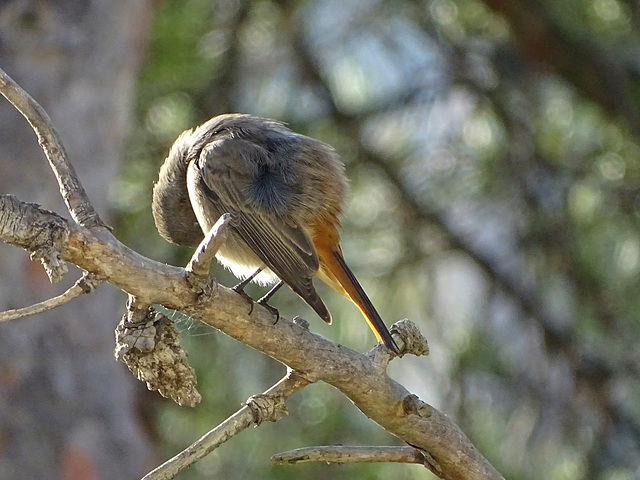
274	311
239	289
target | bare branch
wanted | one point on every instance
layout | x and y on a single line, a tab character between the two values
72	191
200	263
362	378
350	454
86	284
252	413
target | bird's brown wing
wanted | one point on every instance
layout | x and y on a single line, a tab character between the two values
227	170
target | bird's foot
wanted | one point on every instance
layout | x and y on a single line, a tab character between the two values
239	289
274	311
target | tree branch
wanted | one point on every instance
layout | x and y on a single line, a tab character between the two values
360	377
200	263
350	454
269	406
86	284
72	191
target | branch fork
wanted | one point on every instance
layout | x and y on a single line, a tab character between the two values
149	344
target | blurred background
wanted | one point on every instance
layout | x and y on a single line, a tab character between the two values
493	149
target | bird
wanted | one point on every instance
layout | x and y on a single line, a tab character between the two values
285	193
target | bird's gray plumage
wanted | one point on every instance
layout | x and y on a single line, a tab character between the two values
269	179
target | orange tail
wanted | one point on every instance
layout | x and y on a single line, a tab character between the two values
335	273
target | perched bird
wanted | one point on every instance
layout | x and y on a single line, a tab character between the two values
284	192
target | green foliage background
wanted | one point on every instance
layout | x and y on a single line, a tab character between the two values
493	149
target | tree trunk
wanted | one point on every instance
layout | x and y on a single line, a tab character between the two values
67	409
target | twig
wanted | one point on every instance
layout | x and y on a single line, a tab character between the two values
86	284
198	267
450	453
350	454
72	191
360	377
252	413
206	251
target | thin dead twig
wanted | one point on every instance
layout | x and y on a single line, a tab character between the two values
198	267
359	377
268	406
86	284
350	454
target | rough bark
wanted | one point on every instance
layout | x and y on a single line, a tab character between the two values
362	378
